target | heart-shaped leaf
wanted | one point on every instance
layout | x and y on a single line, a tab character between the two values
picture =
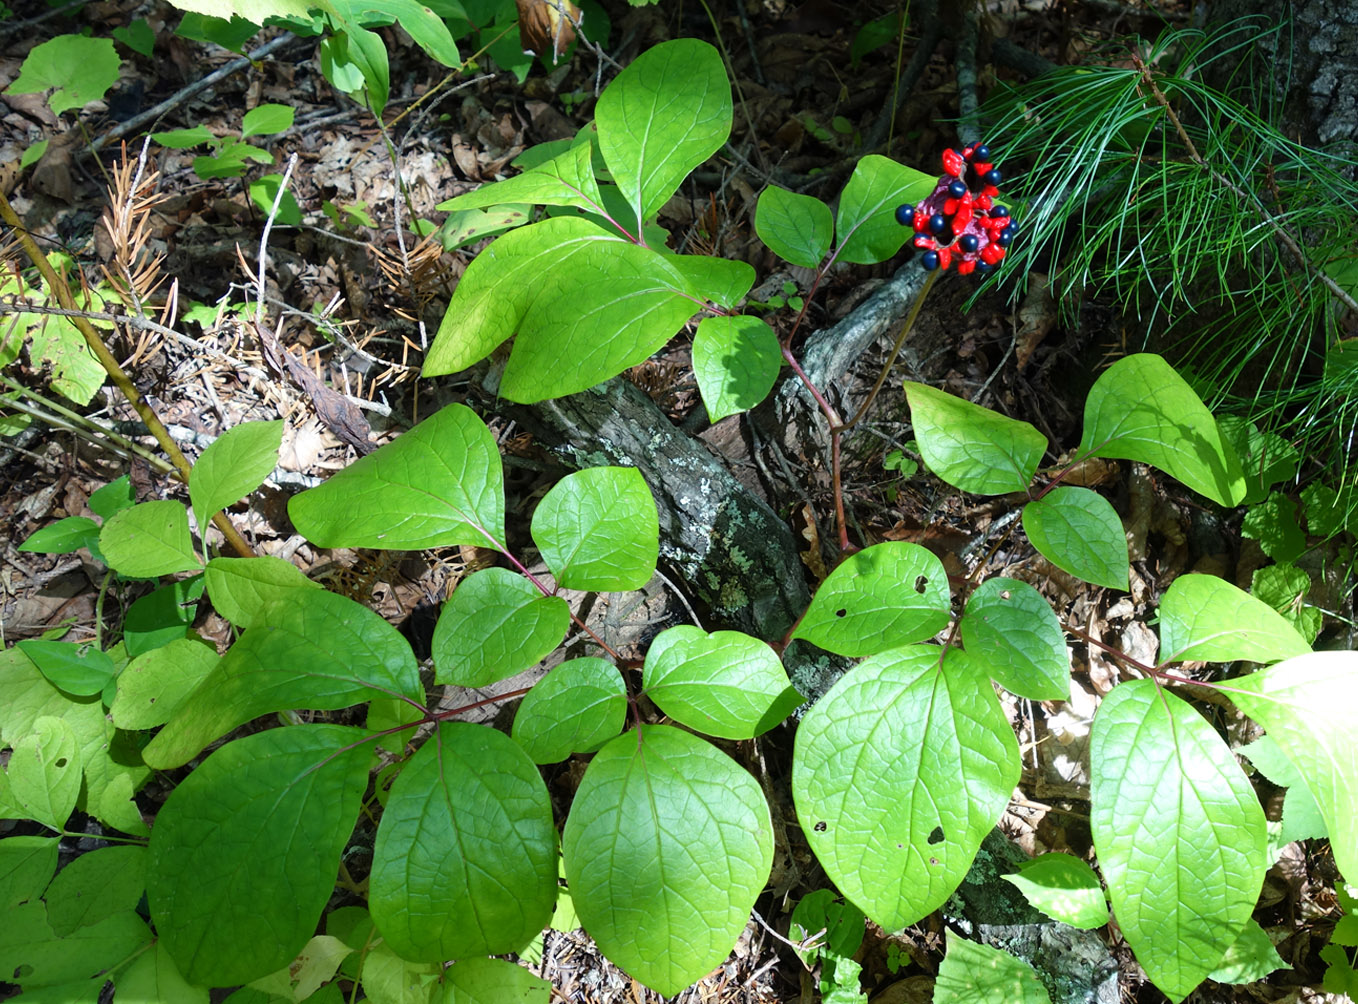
494	625
736	361
1013	633
667	845
1079	532
239	460
148	540
598	529
575	708
970	447
797	228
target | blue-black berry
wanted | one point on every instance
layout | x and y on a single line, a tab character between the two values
929	260
1005	238
904	212
957	189
981	153
993	177
999	211
968	243
937	223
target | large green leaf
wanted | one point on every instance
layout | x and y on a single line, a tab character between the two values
1205	617
441	483
1140	409
868	231
736	361
1011	632
663	116
152	686
970	447
724	684
898	774
578	706
667	845
465	858
598	529
236	463
149	539
1179	833
44	772
321	651
80	69
978	974
494	625
565	180
96	885
1079	532
245	851
884	596
797	228
1307	705
724	281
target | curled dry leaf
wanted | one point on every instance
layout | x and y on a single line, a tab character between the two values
547	26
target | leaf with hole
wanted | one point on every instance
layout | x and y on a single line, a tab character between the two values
32	955
441	483
1141	409
148	540
797	228
899	772
725	684
465	861
1203	617
1012	633
883	597
322	651
660	118
598	530
667	845
495	624
153	686
44	772
1079	532
575	708
736	360
245	850
1178	830
970	447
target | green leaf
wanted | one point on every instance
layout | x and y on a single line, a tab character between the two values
721	280
465	861
262	120
184	139
148	540
1251	958
883	597
34	957
868	231
230	31
96	885
970	447
725	684
389	979
1265	457
491	981
467	226
1204	617
355	61
797	228
978	974
1179	833
1284	588
1064	888
231	161
736	360
1140	409
824	911
155	684
137	36
63	536
1301	818
44	772
898	774
494	625
1273	522
153	977
565	180
440	483
575	708
113	497
81	69
315	965
1329	512
667	846
1011	632
598	530
161	616
1306	704
77	668
264	192
425	28
1079	532
238	461
874	34
661	117
322	651
245	851
243	589
27	864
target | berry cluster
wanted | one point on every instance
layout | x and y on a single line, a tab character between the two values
959	220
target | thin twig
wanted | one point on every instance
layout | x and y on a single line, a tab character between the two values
264	237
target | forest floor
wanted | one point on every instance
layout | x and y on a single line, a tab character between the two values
358	299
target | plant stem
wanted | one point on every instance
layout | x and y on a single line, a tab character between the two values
59	287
